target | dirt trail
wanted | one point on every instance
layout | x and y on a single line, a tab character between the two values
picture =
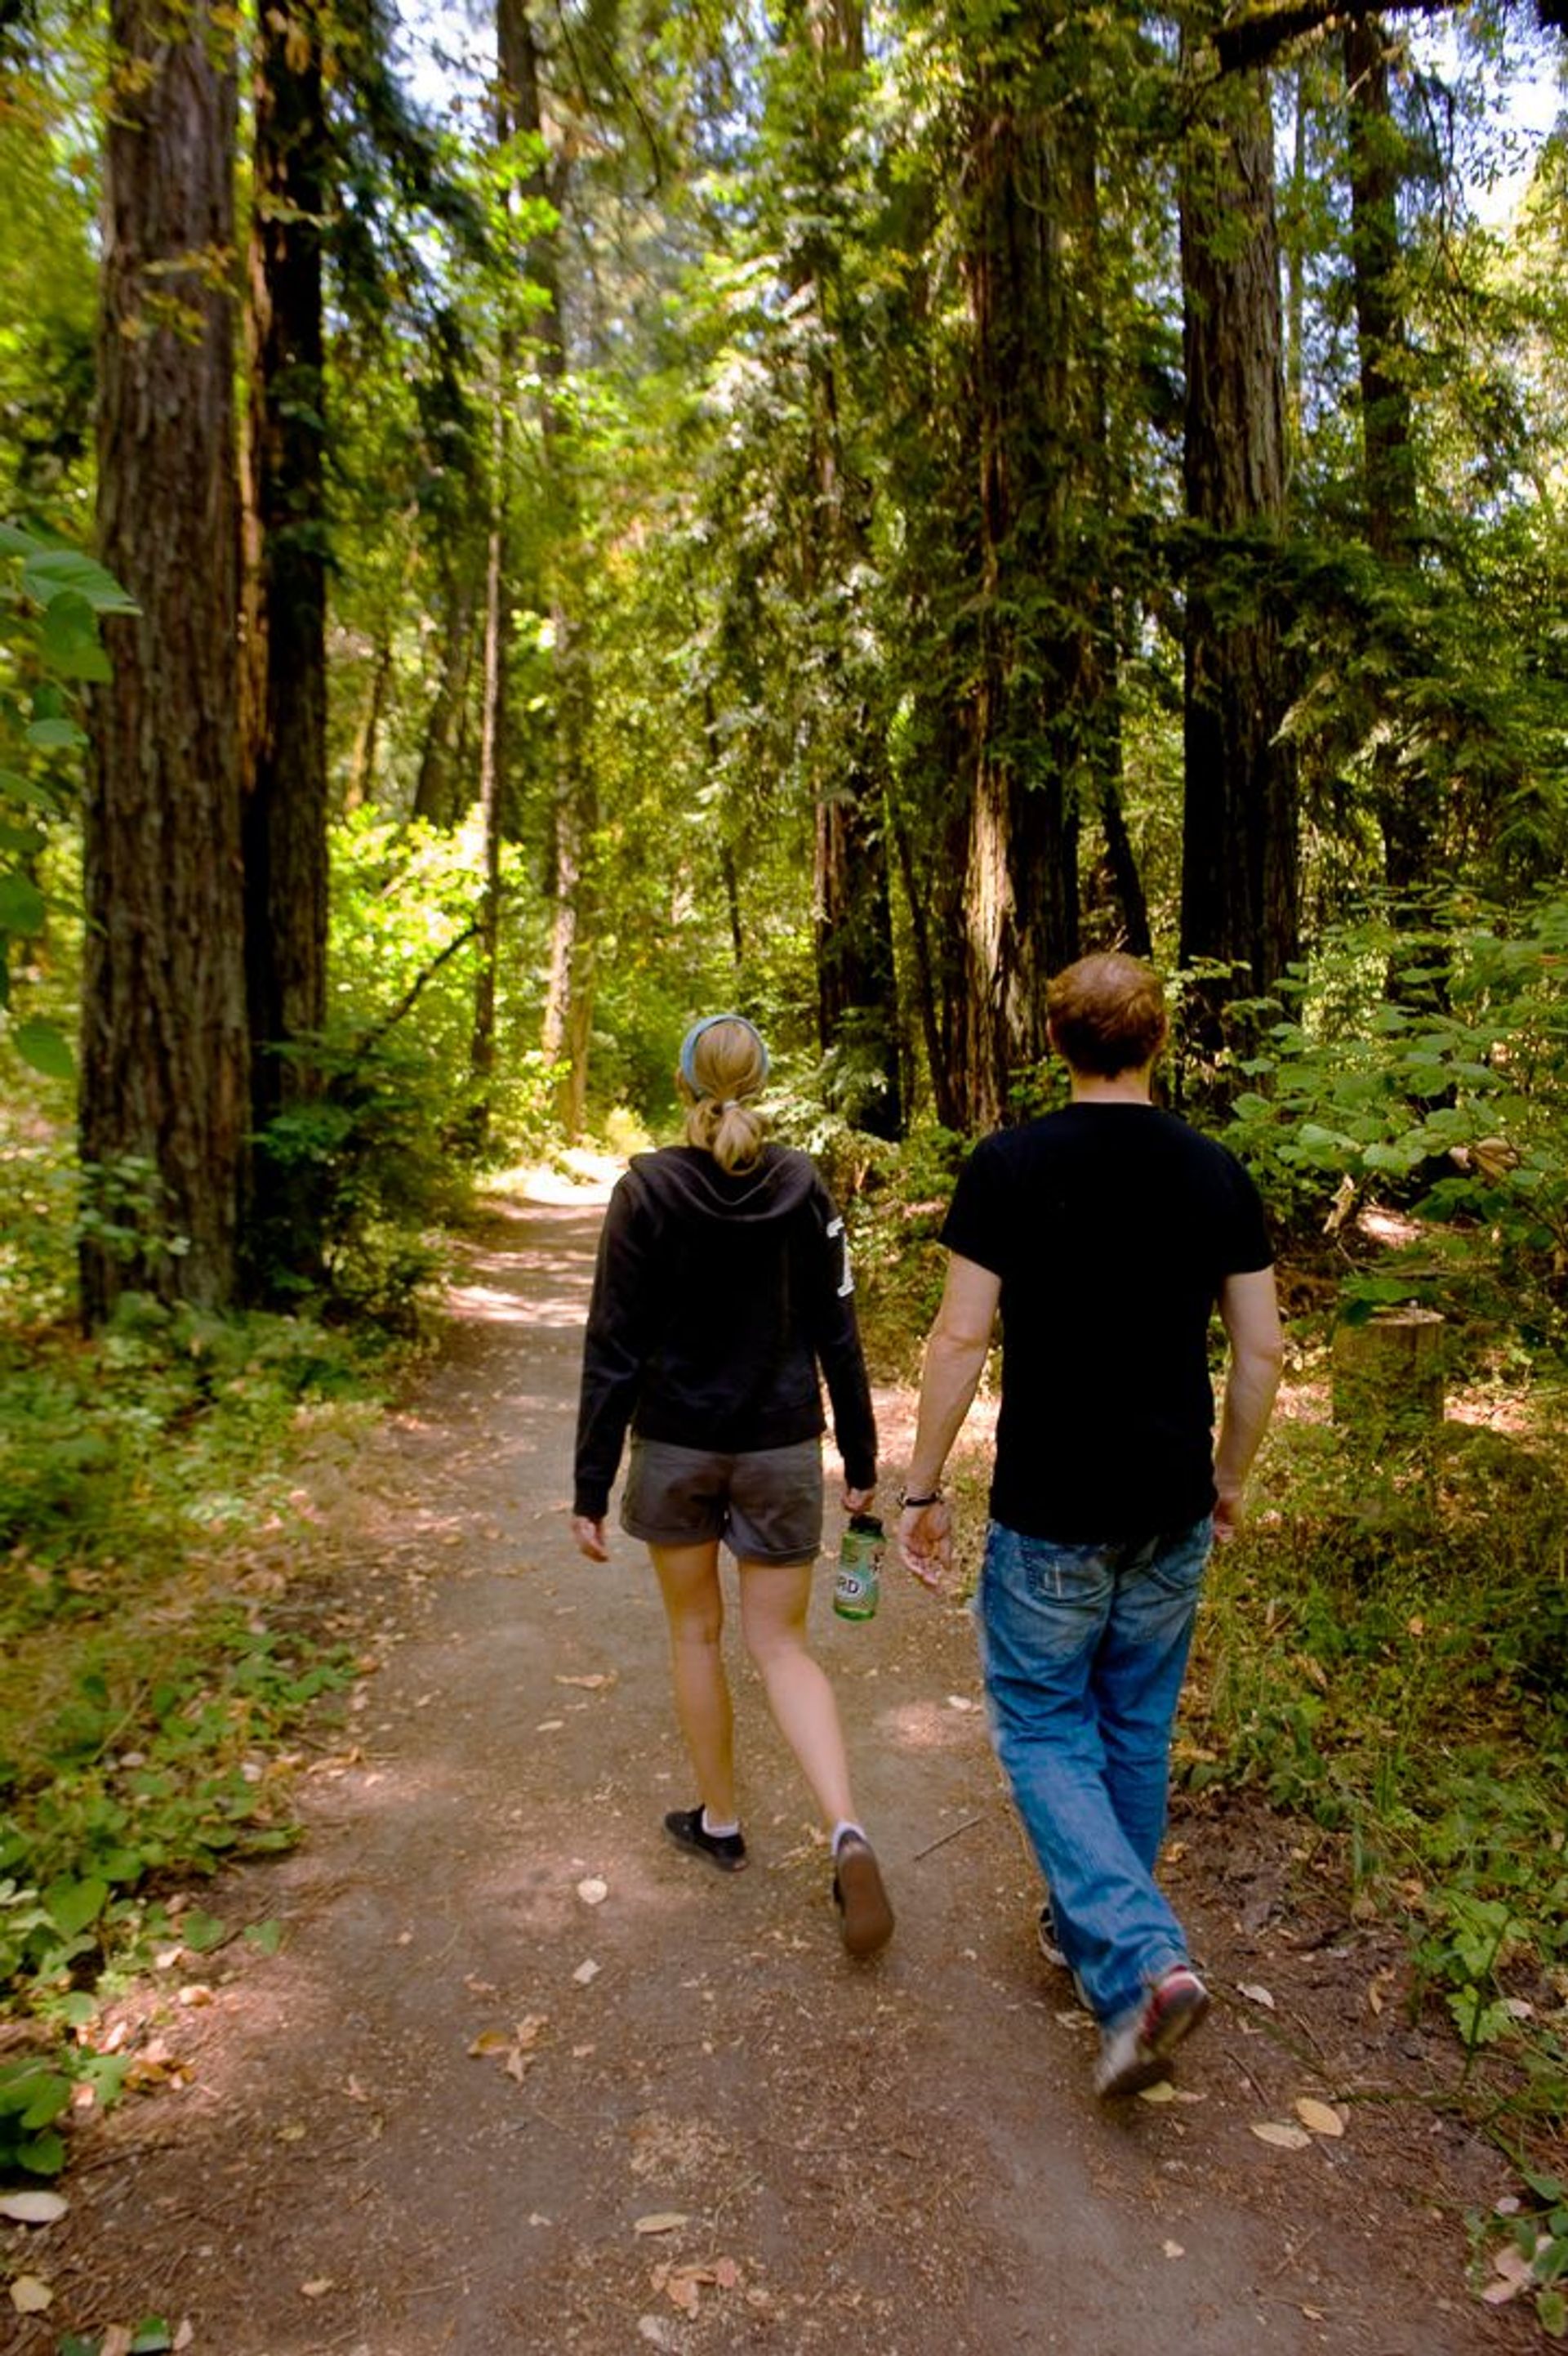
904	2158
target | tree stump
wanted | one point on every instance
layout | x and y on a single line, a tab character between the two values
1388	1374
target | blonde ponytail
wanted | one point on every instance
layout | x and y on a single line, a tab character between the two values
723	1061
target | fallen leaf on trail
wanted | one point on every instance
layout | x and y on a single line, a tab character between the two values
593	1892
1509	2206
1512	2263
1256	1994
549	1726
961	1701
595	1682
1321	2118
185	2334
1162	2091
1519	2007
1375	1986
586	1973
1174	2250
30	2296
1497	2293
660	2221
476	1986
656	2331
726	2272
535	2218
490	2041
317	2288
1312	2314
294	2132
1284	2137
118	2341
682	2292
526	2032
33	2208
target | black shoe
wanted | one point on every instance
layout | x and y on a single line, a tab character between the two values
858	1893
1049	1946
686	1829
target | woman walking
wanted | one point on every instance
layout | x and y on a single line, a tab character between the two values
722	1286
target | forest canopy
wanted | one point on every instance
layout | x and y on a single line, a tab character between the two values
525	528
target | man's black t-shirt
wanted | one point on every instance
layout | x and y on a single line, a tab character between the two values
1113	1227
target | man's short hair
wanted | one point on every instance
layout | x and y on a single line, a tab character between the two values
1106	1014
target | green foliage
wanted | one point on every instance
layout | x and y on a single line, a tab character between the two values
51	601
1429	1068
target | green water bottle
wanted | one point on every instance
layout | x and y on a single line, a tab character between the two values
858	1587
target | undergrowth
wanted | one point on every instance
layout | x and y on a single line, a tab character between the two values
147	1689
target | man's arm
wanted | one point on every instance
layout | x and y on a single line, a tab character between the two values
1250	1313
955	1361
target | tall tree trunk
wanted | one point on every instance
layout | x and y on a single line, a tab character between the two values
1239	880
360	782
437	788
164	1060
1020	900
856	984
513	56
566	1025
285	803
1404	796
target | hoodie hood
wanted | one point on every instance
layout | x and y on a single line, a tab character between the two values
686	1180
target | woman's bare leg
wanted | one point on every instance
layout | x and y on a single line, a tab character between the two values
694	1606
775	1600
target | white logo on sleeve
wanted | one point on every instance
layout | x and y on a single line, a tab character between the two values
846	1280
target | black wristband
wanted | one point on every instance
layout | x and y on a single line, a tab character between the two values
908	1503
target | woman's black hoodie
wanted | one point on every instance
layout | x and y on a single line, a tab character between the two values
716	1298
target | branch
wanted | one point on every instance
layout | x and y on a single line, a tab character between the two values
1257	37
378	1031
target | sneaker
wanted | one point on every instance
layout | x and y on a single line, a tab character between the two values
686	1829
859	1894
1139	2054
1048	1946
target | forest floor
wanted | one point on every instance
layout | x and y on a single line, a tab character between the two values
521	2077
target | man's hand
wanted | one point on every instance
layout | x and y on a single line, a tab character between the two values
1229	1516
588	1536
856	1501
926	1542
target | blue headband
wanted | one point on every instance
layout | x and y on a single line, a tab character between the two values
689	1047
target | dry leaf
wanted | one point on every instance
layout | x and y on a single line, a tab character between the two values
1513	2265
661	2221
317	2288
118	2341
1284	2137
1499	2293
33	2208
490	2041
1174	2250
726	2272
586	1973
1257	1995
593	1892
961	1701
185	2335
526	2032
550	1726
1162	2091
656	2331
1319	2116
30	2296
682	2292
1375	1986
595	1682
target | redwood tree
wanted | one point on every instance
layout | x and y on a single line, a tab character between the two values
164	1098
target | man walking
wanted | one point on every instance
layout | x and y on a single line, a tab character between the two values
1107	1232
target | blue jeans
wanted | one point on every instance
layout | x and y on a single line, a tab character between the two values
1084	1649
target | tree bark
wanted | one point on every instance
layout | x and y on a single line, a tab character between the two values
856	982
1239	882
285	769
1023	721
164	1050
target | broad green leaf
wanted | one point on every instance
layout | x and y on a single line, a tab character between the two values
55	734
74	1904
69	639
26	789
268	1937
201	1933
16	543
1551	2308
56	570
22	909
45	1048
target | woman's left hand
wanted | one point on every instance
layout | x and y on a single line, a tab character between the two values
589	1538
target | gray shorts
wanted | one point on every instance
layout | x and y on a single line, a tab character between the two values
766	1505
